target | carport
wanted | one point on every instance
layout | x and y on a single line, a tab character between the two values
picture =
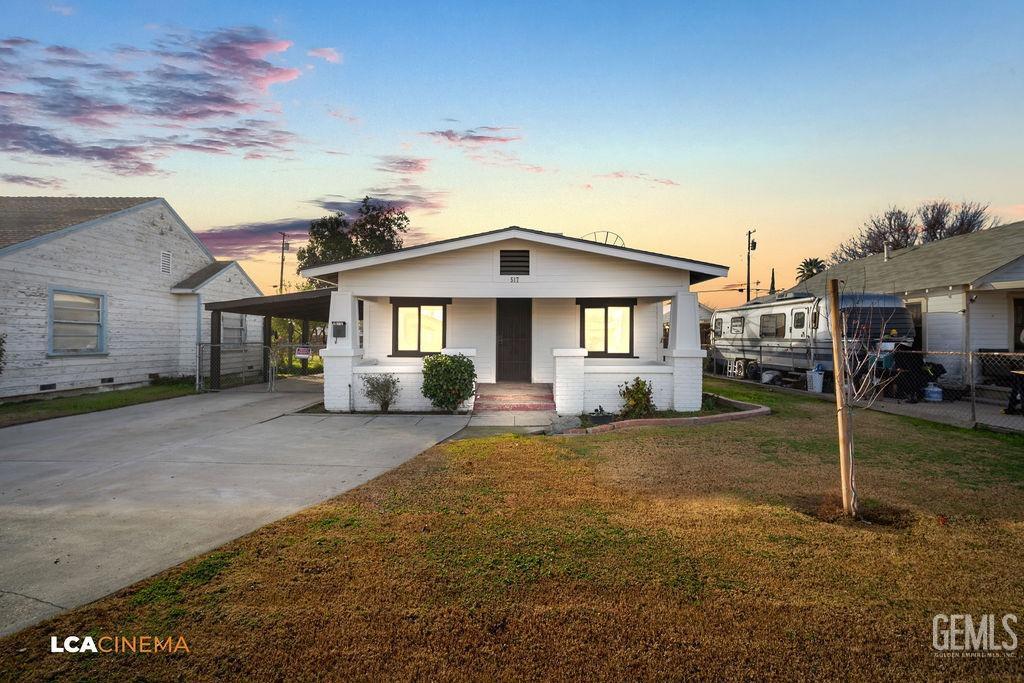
310	306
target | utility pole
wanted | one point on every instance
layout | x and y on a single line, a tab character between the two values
284	248
842	409
751	246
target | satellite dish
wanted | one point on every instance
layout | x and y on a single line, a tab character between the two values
605	237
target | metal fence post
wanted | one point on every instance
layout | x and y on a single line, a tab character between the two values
970	369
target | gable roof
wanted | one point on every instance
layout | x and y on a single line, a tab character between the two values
25	218
202	276
701	270
959	260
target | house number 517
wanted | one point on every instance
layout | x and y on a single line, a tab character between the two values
513	278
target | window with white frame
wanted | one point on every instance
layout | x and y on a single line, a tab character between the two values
232	330
76	322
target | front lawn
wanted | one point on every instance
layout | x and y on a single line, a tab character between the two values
45	408
707	552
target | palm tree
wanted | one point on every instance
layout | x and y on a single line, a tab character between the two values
809	267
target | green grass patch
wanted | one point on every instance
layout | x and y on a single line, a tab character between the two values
20	412
168	590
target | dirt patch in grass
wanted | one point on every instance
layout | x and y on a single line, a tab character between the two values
666	553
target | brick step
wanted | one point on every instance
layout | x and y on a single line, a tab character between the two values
480	405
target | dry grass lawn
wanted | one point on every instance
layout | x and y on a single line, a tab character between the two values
684	553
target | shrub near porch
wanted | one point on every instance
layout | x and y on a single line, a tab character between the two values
702	553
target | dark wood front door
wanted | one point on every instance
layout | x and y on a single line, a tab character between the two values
514	340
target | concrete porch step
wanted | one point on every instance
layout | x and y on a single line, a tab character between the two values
513	396
480	407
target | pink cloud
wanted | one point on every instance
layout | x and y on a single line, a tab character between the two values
473	137
276	75
646	177
403	165
328	54
343	114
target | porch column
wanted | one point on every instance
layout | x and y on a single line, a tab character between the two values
341	353
685	353
569	384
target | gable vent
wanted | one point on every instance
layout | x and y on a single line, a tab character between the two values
515	262
165	262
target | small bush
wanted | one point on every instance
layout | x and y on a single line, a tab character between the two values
448	381
637	399
382	390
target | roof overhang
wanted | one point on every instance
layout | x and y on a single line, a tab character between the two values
314	304
700	270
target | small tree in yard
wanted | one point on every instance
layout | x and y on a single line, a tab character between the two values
382	390
448	381
637	399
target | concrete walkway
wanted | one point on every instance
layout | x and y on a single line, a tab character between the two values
92	503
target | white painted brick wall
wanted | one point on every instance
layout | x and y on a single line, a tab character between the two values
688	383
569	384
602	388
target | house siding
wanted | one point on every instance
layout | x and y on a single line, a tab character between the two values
119	258
555	272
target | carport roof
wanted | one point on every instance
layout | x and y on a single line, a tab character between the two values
314	304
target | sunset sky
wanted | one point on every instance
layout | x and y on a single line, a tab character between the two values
678	126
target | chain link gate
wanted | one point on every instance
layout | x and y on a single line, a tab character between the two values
235	365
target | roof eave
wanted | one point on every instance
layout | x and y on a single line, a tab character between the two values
708	270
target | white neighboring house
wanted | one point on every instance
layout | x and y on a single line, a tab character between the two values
99	292
527	306
964	293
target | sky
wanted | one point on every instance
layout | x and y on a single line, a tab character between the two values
678	126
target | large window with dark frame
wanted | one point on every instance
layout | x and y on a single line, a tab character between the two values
606	327
418	326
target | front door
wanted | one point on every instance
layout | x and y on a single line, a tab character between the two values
514	346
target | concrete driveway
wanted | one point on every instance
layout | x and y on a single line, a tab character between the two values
92	503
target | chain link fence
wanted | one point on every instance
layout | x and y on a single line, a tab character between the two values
960	388
289	363
235	365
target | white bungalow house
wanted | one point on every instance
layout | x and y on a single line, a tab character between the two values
107	292
526	306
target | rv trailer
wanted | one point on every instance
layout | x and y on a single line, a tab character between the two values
790	331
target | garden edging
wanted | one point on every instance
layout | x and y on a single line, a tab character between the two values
746	410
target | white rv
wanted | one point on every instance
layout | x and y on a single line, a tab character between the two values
790	332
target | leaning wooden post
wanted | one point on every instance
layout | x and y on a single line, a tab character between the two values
842	409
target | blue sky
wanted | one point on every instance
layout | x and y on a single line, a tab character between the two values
678	126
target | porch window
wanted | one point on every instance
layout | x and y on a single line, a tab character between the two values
77	321
606	327
418	326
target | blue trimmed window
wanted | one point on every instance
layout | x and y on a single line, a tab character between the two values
77	322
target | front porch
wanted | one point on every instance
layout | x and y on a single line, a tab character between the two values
537	354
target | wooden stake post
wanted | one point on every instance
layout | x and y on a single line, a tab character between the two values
842	409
